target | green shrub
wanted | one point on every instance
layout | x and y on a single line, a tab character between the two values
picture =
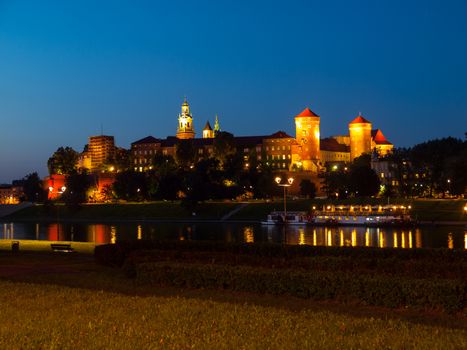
422	268
115	254
388	291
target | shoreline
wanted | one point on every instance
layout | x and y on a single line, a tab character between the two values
424	223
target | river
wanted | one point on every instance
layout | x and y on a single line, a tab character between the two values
454	237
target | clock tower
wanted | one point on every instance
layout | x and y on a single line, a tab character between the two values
185	128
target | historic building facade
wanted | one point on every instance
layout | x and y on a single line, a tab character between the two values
306	151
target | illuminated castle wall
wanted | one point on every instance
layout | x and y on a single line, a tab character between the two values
307	151
360	137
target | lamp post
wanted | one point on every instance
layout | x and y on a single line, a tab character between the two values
284	185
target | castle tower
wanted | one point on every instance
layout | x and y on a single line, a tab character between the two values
307	136
208	133
185	128
360	137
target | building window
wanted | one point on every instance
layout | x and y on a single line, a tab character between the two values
272	148
283	156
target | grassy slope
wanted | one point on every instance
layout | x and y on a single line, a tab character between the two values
155	210
60	301
424	210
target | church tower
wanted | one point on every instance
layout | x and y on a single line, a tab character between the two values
185	128
208	133
360	137
307	137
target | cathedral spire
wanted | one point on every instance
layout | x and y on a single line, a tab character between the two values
217	127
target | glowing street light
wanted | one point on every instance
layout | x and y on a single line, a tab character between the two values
284	185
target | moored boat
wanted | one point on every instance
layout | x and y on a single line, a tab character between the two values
363	216
290	218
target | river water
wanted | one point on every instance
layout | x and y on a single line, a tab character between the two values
454	237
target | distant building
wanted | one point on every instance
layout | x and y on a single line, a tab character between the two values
100	149
10	194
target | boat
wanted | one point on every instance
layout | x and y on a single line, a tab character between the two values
363	216
362	220
298	218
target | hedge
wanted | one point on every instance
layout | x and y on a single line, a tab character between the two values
115	254
391	266
449	295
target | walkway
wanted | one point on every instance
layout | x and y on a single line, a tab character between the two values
233	212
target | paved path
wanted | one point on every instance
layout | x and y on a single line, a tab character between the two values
235	211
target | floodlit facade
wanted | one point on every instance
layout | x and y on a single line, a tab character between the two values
306	151
101	148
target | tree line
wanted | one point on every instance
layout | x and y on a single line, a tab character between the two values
429	169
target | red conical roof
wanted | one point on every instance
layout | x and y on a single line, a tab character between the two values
307	113
360	120
379	138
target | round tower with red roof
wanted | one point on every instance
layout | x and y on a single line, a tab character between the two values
360	137
307	136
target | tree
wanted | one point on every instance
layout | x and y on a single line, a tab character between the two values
363	181
185	153
336	181
130	185
224	146
307	188
118	162
77	186
33	189
63	161
430	160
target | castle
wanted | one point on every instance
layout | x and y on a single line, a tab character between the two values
307	151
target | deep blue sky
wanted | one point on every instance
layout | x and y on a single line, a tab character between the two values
68	66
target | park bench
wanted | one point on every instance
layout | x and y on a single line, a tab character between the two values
61	247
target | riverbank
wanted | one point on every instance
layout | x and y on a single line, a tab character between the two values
78	304
449	212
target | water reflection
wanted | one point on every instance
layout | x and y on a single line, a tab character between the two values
447	237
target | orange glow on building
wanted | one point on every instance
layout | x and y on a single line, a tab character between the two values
54	185
360	137
307	135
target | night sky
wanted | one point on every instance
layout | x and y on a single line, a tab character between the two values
68	67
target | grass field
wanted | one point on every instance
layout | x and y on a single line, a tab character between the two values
64	301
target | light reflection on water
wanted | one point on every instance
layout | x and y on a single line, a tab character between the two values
434	237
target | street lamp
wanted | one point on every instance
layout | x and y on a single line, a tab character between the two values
284	185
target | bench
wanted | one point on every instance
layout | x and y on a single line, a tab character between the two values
60	247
